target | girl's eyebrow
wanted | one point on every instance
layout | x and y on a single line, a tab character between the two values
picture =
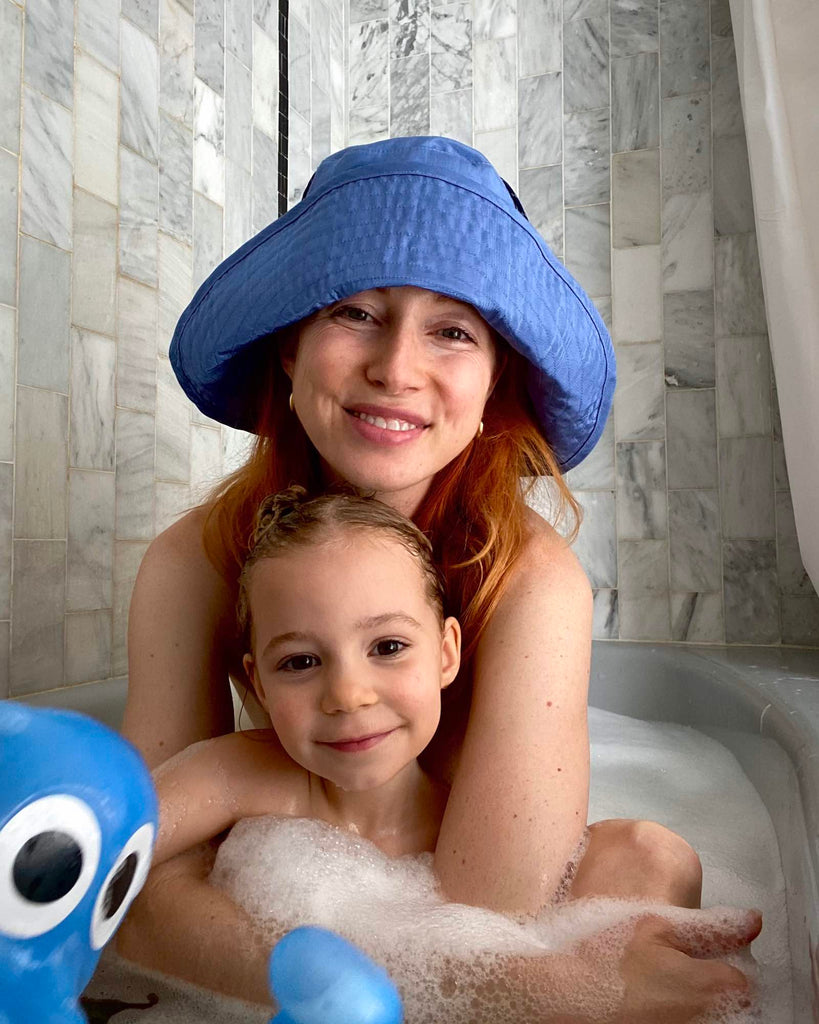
286	638
385	617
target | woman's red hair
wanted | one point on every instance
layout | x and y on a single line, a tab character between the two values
474	513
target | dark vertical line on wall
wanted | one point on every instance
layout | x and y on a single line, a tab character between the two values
284	103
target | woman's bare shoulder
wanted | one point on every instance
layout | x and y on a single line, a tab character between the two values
548	556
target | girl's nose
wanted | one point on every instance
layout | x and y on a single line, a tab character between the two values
396	361
346	691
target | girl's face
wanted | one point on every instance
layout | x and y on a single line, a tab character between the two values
349	656
390	386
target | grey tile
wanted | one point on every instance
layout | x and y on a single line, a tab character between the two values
37	637
5	652
206	459
685	39
138	213
586	65
541	195
688	332
725	99
209	44
11	32
49	49
265	13
643	598
367	10
87	646
720	20
8	345
238	206
93	398
539	36
139	110
176	61
298	56
127	557
135	475
688	242
98	31
743	385
634	27
644	617
539	124
635	103
750	592
596	544
239	30
409	96
451	48
686	144
740	303
638	398
321	140
495	86
96	129
175	213
800	620
697	618
209	143
694	534
747	487
207	237
9	167
637	293
588	256
573	9
494	19
94	266
136	346
90	541
733	202
144	14
170	502
500	149
596	471
45	300
791	574
41	464
6	511
265	207
173	428
450	114
409	21
175	284
586	157
635	206
46	175
642	504
323	21
691	445
605	616
299	167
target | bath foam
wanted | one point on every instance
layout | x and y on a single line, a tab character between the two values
449	960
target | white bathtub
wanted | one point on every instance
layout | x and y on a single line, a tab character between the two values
760	702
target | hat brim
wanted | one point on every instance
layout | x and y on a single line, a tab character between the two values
401	228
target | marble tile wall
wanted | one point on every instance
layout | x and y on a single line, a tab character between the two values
619	124
138	145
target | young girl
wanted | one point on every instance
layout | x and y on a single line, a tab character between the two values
348	651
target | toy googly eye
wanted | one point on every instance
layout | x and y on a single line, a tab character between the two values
49	854
121	885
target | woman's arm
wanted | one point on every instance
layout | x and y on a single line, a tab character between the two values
180	631
519	800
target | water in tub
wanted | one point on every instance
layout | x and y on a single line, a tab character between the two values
290	871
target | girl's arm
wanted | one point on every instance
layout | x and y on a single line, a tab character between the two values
180	631
519	800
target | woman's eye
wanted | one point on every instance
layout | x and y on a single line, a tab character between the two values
351	313
299	663
464	335
389	648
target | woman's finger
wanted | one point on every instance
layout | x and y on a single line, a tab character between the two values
716	932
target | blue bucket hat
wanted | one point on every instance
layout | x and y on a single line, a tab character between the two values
424	211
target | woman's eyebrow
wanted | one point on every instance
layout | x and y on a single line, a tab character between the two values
380	620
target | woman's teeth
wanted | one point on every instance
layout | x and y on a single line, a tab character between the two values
378	421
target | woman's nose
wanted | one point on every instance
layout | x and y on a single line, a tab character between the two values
346	691
396	360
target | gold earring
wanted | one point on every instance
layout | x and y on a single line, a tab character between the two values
292	404
480	430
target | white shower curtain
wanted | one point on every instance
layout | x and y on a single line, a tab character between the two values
776	43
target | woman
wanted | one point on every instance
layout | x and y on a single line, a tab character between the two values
405	330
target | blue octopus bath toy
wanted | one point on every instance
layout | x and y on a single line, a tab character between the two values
77	824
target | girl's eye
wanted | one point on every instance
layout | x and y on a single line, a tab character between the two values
299	663
389	648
